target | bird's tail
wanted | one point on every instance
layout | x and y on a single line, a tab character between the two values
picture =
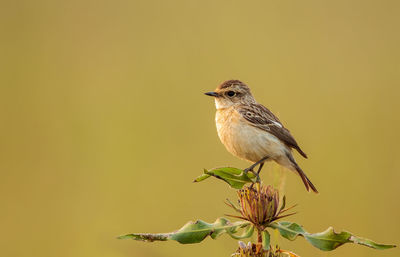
309	185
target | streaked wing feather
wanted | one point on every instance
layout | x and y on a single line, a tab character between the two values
259	116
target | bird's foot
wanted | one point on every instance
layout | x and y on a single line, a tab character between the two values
245	171
250	169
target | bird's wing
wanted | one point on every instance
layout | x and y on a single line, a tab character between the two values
259	116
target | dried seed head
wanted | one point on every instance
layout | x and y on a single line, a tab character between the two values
259	205
253	250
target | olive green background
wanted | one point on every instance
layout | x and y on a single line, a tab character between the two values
104	124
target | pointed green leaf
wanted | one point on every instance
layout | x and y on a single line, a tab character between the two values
202	177
265	240
146	237
193	232
327	240
236	178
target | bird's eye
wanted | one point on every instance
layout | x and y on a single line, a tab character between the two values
230	93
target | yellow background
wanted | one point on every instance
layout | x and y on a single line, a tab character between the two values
104	123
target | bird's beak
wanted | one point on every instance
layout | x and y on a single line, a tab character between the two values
215	94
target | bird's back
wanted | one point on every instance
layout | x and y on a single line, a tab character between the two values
261	117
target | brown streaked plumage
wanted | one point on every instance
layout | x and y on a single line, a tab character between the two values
252	132
259	116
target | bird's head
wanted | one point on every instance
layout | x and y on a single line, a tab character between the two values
231	92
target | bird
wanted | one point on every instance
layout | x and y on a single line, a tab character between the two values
251	132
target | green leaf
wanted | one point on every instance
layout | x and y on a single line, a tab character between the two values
236	178
246	234
265	240
202	177
194	232
327	240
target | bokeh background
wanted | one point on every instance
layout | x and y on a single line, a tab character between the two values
104	124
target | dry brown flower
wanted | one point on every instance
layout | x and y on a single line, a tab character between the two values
260	205
254	250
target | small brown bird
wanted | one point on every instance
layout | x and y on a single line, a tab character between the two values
252	132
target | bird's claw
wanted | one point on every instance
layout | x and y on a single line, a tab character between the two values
245	171
250	169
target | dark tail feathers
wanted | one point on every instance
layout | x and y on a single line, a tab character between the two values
301	152
309	185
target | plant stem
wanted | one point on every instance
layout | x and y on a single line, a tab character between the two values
259	236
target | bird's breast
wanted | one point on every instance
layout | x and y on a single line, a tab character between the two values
246	141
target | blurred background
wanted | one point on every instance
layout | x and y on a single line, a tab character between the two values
104	124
